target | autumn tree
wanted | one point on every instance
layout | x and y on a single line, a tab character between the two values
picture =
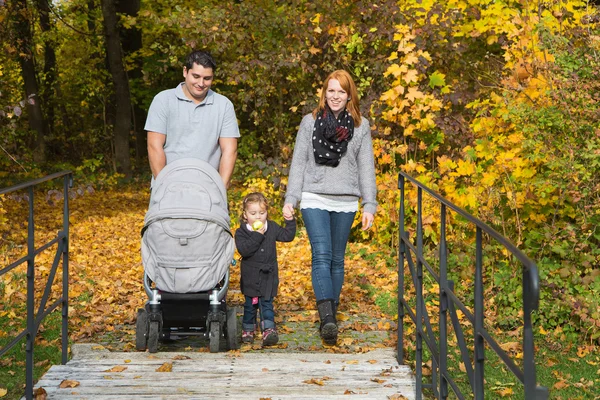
131	40
21	33
114	56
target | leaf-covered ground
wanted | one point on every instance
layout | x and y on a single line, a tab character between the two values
106	270
106	291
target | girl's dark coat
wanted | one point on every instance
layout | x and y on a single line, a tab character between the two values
260	274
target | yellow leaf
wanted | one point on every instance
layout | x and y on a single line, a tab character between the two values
411	59
582	351
492	39
3	392
117	368
314	381
68	384
505	392
411	76
465	168
414	93
395	70
561	384
166	367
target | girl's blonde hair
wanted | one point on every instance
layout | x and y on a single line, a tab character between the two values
252	198
347	83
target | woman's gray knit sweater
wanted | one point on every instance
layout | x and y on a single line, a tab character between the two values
352	179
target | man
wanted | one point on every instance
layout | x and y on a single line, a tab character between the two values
192	121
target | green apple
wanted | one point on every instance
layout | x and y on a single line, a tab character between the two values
257	225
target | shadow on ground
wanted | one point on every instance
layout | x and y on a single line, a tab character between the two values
298	332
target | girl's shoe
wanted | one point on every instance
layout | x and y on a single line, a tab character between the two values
270	337
247	336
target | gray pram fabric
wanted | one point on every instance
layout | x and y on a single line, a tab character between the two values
187	245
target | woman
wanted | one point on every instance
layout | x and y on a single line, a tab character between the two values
332	168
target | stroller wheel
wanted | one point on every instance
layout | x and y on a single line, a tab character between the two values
141	330
214	336
153	337
232	332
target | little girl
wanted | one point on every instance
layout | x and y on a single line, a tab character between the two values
255	240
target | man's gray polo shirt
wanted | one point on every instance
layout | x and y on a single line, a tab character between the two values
193	130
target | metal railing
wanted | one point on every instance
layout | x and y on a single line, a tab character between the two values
441	379
35	318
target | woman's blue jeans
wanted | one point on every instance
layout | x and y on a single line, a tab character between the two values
328	233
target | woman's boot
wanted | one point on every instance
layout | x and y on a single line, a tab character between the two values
328	329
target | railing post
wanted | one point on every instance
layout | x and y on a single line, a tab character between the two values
30	337
479	355
420	304
401	249
443	306
65	278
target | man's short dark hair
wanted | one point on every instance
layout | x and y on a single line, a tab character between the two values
201	58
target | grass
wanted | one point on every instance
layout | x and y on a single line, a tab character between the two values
565	373
570	372
47	351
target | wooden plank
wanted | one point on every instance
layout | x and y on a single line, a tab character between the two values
232	375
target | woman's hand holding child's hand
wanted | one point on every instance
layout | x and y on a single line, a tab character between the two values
288	211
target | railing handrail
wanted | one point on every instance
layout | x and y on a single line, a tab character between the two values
35	182
526	261
448	300
34	319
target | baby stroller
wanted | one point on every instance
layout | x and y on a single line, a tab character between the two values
187	248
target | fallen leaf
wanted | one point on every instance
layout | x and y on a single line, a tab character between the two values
42	363
377	380
348	391
127	361
265	370
68	384
397	396
314	381
351	362
561	385
181	357
505	392
3	392
40	394
166	367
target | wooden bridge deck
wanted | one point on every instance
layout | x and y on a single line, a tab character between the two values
96	373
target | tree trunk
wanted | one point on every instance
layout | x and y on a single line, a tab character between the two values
23	33
48	83
114	56
131	40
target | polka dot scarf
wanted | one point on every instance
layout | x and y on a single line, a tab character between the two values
331	136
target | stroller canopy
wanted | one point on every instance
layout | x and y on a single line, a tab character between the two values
187	245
